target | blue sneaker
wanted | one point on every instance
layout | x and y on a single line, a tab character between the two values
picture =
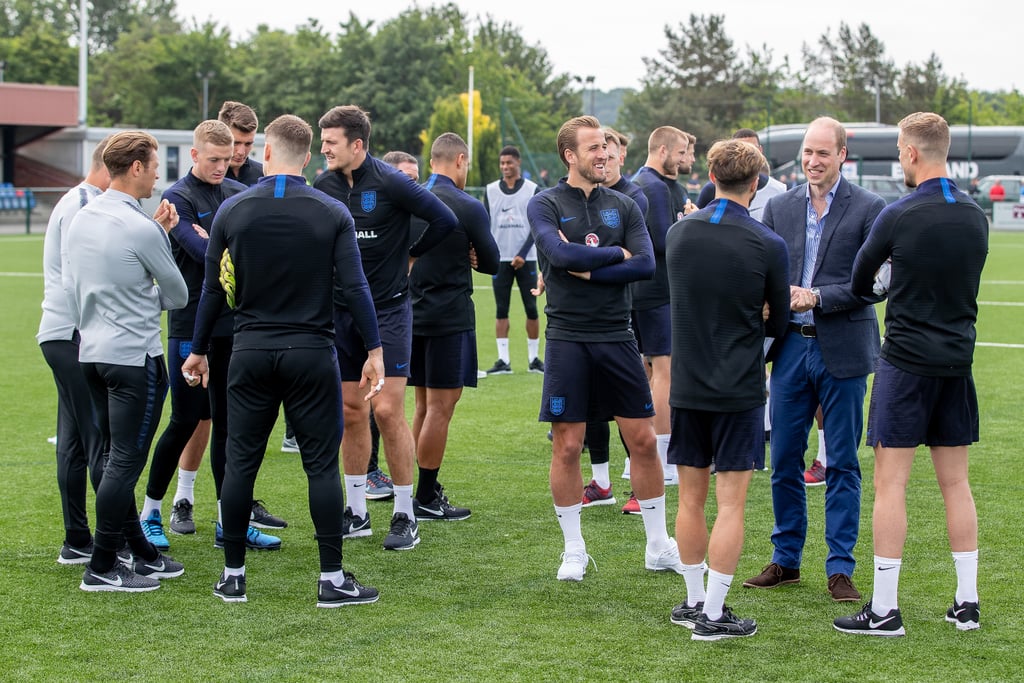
379	486
254	539
153	528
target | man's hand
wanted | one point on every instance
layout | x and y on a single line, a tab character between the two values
518	261
373	372
801	299
583	276
689	208
626	253
765	312
166	215
199	231
196	369
473	262
539	289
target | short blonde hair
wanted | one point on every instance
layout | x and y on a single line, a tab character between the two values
213	132
289	136
734	163
928	132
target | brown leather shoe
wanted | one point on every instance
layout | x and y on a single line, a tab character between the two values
773	575
841	588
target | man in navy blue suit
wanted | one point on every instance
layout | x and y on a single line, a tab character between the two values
824	358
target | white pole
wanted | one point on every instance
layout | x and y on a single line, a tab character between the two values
83	62
469	119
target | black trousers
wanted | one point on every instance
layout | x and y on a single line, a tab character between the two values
79	442
129	401
308	383
189	405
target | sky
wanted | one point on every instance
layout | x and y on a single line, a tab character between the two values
977	44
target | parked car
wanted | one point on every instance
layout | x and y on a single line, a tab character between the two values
888	188
1011	184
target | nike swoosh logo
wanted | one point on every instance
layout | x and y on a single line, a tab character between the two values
156	567
645	507
507	208
885	569
566	219
648	406
401	366
112	582
204	215
436	513
354	593
877	624
355	486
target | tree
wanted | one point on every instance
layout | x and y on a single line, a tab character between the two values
39	54
450	114
852	67
151	81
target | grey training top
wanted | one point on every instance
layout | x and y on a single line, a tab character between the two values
119	275
56	323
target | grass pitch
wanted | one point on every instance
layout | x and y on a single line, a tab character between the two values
478	600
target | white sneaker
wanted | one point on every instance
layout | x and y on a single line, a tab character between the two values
665	559
574	565
625	470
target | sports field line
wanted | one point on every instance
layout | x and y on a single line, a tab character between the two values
13	274
1000	346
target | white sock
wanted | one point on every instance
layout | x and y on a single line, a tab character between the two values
653	512
148	506
186	486
569	520
403	500
532	348
503	350
234	571
663	441
220	516
693	575
822	452
600	474
966	564
718	588
337	578
355	493
887	580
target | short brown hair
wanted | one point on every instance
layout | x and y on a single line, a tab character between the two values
351	119
928	132
238	115
395	157
127	147
568	134
734	163
289	136
447	147
97	154
612	134
214	132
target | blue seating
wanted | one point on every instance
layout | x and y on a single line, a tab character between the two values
13	199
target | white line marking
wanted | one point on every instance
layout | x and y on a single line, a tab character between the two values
10	274
1001	303
1000	346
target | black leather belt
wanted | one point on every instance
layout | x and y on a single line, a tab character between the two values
804	330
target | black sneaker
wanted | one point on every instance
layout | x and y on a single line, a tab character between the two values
120	578
181	518
349	593
263	519
124	556
404	533
230	588
726	626
536	366
500	367
163	567
439	508
966	615
687	616
866	622
355	527
69	554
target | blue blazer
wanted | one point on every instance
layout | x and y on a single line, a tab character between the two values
847	324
